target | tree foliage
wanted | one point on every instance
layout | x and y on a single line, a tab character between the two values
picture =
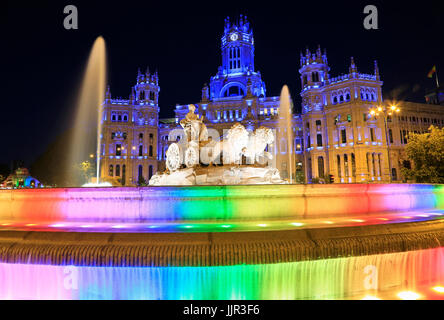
426	151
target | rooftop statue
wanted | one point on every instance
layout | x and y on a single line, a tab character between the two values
239	158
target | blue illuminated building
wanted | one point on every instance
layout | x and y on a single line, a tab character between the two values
334	137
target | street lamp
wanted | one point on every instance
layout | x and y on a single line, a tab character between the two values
386	112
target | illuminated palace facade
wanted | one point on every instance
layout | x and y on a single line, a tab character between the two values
334	135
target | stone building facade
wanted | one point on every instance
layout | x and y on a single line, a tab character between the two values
129	133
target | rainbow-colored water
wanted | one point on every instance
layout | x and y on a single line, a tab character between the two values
381	276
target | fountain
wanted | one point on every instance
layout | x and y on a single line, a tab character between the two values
286	129
88	120
220	223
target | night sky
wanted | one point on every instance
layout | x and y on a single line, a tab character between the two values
42	63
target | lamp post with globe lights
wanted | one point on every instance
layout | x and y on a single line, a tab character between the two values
385	112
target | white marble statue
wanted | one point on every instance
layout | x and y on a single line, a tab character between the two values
237	143
257	143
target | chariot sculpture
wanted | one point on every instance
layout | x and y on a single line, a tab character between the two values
238	157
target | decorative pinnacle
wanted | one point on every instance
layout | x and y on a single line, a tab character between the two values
353	68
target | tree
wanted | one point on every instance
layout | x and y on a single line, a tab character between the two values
87	170
426	152
142	182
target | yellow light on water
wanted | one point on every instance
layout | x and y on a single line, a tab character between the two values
408	295
297	224
370	298
438	289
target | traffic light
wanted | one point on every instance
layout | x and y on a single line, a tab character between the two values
332	178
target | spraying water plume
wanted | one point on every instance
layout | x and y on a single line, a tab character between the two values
285	127
85	140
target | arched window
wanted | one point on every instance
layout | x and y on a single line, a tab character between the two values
379	164
150	172
140	150
321	167
338	160
335	99
233	91
140	172
125	118
142	95
353	160
341	98
151	151
123	174
346	165
347	97
394	174
315	77
111	170
319	140
117	170
390	135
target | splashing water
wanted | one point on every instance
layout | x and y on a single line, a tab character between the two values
88	120
285	128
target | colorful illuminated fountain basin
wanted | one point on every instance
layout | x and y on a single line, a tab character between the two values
284	242
221	203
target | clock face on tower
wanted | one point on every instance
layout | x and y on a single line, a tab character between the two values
233	36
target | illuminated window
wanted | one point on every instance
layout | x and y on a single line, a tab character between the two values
111	170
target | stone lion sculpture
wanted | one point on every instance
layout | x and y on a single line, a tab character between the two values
231	146
257	143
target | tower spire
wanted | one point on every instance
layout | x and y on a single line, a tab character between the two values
108	93
353	68
376	70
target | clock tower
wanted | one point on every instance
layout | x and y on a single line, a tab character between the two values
237	47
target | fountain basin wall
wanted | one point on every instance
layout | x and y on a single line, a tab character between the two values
215	202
